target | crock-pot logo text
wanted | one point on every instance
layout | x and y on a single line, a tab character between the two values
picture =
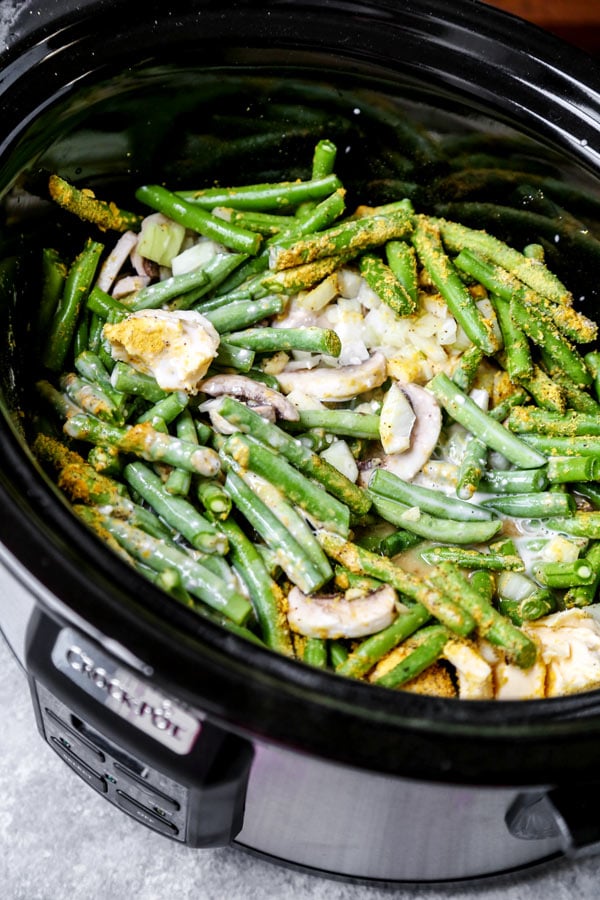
158	716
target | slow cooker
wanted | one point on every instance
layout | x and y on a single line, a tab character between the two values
191	730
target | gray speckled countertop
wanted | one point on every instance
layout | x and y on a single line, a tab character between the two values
60	839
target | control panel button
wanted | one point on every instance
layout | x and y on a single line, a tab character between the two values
152	794
83	770
83	746
146	816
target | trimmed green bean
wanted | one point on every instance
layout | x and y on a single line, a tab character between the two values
176	511
428	644
426	499
76	288
382	280
361	561
193	216
357	500
428	245
451	531
486	428
144	441
473	559
301	491
541	504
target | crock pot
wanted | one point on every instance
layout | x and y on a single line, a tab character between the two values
191	730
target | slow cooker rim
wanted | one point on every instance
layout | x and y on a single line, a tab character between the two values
43	502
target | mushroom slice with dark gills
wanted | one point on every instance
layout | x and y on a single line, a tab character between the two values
255	393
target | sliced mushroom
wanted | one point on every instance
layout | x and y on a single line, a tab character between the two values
116	259
334	616
424	436
248	389
336	384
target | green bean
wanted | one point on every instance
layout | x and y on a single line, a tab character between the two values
101	303
473	559
328	511
429	643
527	419
86	206
516	345
76	287
457	237
91	397
382	280
315	653
127	380
293	521
106	460
144	441
352	236
230	357
345	422
91	367
179	481
412	518
486	428
528	609
243	313
301	277
270	340
502	409
195	577
545	391
292	557
567	445
505	286
562	470
338	653
54	273
192	216
575	398
263	197
397	542
471	468
541	504
428	245
167	409
214	498
361	561
299	456
466	369
402	260
580	524
324	157
515	481
584	595
564	574
367	653
266	595
427	499
267	224
519	648
176	511
540	329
